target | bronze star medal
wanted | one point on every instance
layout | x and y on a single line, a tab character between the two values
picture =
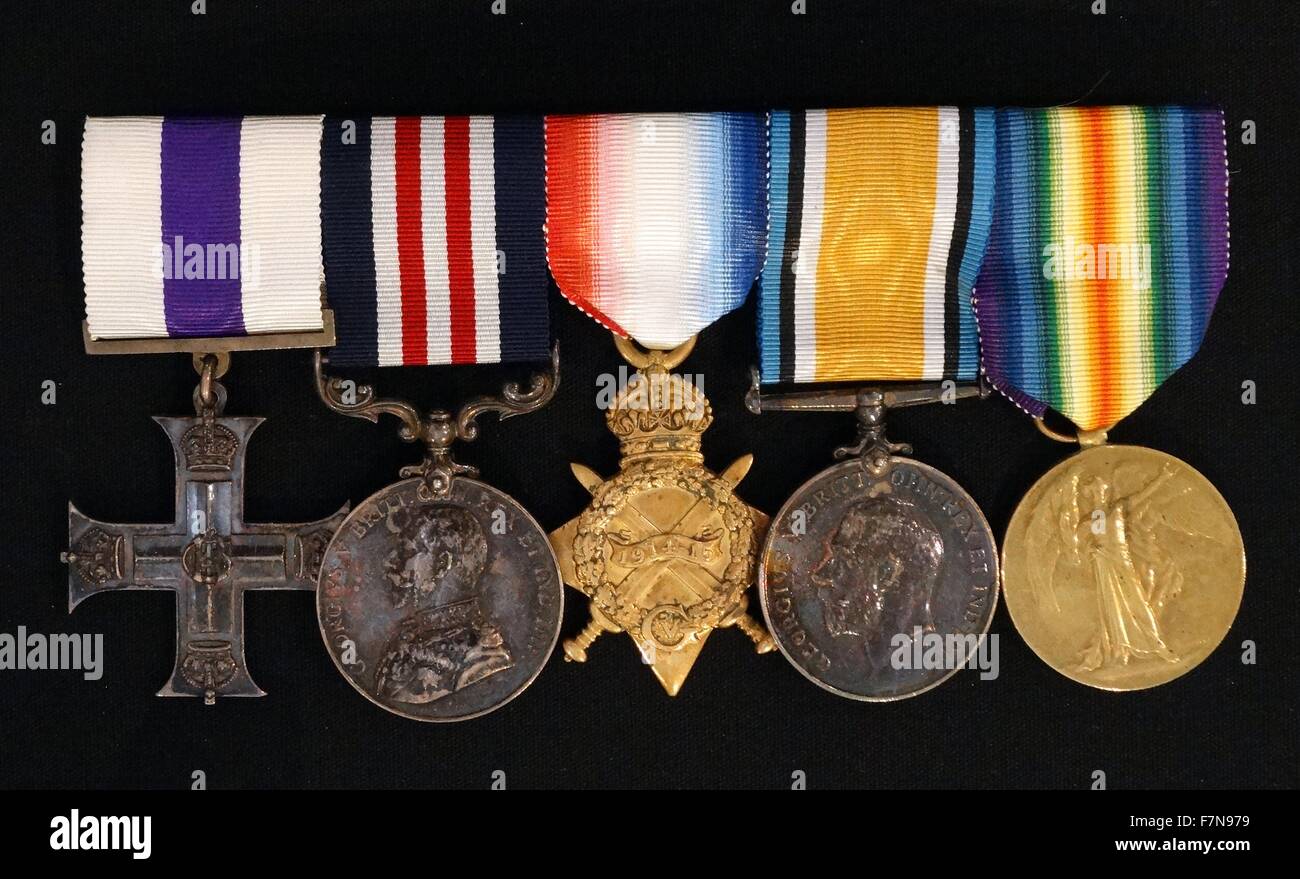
665	551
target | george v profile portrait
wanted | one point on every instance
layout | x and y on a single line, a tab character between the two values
446	643
877	572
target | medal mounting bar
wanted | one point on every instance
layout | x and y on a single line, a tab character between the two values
322	338
438	429
870	403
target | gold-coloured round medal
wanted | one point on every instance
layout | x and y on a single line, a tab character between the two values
1123	567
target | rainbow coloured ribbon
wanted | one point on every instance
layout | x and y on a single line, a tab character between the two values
879	222
656	223
1108	250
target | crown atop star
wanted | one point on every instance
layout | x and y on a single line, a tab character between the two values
659	412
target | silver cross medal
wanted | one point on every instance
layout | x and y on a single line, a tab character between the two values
208	556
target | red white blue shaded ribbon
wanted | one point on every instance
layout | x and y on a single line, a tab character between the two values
432	229
201	227
656	222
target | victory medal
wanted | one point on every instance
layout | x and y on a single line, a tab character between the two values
655	229
879	220
1123	567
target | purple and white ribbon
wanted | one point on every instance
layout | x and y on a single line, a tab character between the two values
197	227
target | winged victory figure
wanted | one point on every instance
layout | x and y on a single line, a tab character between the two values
1088	531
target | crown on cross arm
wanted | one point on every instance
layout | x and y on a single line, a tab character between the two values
209	446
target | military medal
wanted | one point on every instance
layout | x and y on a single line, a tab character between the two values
879	220
655	228
201	236
439	597
1123	567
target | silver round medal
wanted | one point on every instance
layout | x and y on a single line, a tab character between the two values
879	580
440	607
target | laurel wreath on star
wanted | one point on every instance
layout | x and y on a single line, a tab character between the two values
613	495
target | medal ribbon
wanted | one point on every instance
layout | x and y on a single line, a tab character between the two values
879	221
433	239
1108	250
195	227
656	223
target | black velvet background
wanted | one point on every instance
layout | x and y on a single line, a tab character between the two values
741	720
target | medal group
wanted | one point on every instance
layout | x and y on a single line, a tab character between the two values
1068	258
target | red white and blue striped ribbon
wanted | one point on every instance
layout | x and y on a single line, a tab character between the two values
195	227
432	229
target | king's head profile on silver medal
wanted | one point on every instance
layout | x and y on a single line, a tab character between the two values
440	598
879	576
440	608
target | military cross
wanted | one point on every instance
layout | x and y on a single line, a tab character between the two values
208	556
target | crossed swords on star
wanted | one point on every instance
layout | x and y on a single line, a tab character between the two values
737	615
